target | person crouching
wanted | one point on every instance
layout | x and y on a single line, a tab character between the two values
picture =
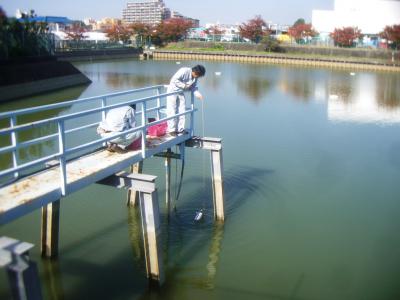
118	120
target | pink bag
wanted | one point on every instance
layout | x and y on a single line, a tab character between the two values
136	145
158	129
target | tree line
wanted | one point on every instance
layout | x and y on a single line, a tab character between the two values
256	31
28	38
23	37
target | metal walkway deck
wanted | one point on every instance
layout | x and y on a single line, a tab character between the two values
75	165
44	160
37	190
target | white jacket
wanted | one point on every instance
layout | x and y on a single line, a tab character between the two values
119	119
183	81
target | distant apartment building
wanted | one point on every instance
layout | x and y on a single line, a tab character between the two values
145	11
177	15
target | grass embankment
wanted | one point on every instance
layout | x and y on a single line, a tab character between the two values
306	56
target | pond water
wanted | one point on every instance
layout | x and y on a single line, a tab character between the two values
311	177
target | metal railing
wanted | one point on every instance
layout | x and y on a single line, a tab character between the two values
64	153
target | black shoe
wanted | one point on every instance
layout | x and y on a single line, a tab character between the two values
110	148
117	149
172	133
182	132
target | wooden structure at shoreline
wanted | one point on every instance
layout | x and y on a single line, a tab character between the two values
269	59
73	168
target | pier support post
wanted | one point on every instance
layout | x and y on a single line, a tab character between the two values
50	229
217	184
150	215
215	146
168	180
133	195
149	211
22	272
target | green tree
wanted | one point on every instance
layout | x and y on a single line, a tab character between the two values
23	37
300	21
271	44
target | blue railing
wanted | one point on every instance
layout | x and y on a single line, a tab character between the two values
64	153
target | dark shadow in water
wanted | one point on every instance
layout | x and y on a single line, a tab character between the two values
388	91
97	280
255	88
212	81
341	87
117	80
184	238
114	279
298	84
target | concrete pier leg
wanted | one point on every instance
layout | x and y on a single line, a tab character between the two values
168	183
150	216
215	146
22	273
217	184
152	236
50	229
133	195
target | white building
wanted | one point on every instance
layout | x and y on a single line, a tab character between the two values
371	16
145	11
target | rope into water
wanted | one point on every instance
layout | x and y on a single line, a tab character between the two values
203	153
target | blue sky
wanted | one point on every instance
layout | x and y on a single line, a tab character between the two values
208	11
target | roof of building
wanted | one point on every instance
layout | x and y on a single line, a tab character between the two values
48	19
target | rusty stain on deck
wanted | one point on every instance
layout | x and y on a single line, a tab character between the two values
38	185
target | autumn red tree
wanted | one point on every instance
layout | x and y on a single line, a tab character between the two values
76	32
142	31
119	33
392	35
171	30
300	32
346	36
253	29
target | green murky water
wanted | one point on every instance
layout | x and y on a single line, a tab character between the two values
311	169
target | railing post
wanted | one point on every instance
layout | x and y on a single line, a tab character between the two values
158	103
192	114
63	168
13	122
103	105
144	122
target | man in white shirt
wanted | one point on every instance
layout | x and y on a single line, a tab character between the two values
118	120
183	80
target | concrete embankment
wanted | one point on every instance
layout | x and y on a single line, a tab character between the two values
28	77
97	54
272	59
